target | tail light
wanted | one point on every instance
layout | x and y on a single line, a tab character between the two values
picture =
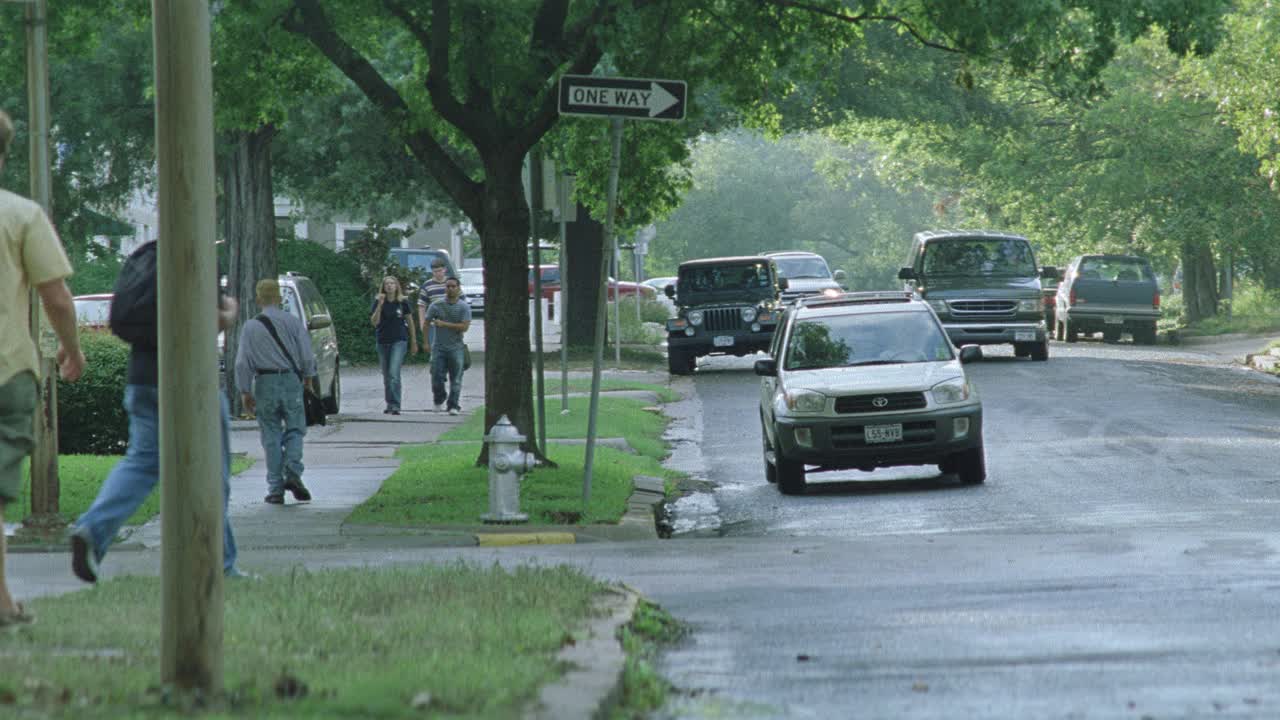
1048	300
1071	299
1155	301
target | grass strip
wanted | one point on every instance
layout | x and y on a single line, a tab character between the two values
644	689
441	485
618	417
457	640
81	476
583	385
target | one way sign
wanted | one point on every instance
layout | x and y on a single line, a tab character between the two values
622	97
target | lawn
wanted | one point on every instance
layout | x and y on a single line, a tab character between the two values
462	641
583	385
618	417
80	477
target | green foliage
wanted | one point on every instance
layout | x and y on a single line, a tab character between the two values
650	631
94	273
91	416
619	417
638	331
345	292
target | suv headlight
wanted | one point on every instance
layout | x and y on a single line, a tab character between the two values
695	317
950	392
805	401
939	306
1031	305
748	314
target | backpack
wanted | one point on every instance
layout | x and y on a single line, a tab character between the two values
133	306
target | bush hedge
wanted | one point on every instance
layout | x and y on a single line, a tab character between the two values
91	416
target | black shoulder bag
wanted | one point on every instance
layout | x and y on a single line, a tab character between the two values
311	402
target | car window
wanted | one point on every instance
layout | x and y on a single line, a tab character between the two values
979	256
776	342
92	312
1120	269
289	302
725	277
474	278
802	266
866	339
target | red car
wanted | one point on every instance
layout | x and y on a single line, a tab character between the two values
551	285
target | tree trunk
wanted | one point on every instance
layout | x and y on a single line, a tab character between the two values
584	242
249	229
1199	282
504	239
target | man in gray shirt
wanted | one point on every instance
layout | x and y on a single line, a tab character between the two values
451	317
262	364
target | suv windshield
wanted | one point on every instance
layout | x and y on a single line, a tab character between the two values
866	339
1120	269
796	268
725	279
979	256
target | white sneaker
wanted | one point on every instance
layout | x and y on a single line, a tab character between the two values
454	411
439	407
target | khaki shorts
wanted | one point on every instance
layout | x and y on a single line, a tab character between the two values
17	431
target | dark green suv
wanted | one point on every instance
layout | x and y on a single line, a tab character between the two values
984	286
724	306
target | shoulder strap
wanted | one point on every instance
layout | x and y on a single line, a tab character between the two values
271	328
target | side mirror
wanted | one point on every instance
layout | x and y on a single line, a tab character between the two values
970	353
907	273
1049	271
839	276
768	367
670	291
783	283
319	321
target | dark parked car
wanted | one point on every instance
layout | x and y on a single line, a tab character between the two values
724	306
984	286
1111	294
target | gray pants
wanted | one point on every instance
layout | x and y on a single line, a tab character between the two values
282	423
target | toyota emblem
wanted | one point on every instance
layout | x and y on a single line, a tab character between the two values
880	402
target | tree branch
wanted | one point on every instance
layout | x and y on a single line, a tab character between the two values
859	19
308	20
406	16
582	52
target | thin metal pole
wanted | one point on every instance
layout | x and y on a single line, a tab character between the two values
562	198
191	499
635	262
615	163
535	206
617	305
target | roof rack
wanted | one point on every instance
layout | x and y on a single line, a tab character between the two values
856	298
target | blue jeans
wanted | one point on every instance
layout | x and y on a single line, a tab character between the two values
282	423
136	475
446	364
391	357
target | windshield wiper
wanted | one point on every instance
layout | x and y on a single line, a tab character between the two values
875	362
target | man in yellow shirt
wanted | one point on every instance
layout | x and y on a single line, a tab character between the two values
30	256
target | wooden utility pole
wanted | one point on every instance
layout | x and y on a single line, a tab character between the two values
190	431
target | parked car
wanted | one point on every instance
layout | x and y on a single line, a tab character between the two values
1111	294
551	285
867	380
806	273
1049	293
472	280
724	306
92	311
984	286
421	259
659	284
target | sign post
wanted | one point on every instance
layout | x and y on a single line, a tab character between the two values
616	99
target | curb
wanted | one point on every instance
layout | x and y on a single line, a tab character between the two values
596	662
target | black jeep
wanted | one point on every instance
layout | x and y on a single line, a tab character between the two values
724	306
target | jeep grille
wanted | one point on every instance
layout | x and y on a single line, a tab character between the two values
982	308
883	402
715	319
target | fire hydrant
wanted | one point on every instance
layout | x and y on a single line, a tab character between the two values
507	462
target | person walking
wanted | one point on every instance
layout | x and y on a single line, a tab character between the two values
450	318
30	256
138	472
392	320
274	358
432	290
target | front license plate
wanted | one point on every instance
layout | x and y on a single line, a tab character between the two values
1024	336
1113	319
883	433
723	341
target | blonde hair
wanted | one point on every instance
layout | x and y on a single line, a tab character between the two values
6	133
400	296
267	292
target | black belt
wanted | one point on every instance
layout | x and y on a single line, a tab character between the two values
274	372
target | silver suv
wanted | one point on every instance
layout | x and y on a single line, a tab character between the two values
867	380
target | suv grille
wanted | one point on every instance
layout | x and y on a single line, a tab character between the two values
884	402
716	319
854	436
982	308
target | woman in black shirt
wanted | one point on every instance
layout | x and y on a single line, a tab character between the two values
395	334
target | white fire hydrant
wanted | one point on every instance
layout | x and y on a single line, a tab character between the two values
507	462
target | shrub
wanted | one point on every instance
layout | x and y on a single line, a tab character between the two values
91	416
94	274
344	290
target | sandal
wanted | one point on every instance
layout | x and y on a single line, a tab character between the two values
19	616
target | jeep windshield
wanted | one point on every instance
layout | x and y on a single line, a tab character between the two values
1010	257
887	338
707	283
797	268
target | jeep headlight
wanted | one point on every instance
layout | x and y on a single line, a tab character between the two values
806	401
748	314
939	306
695	317
1030	305
950	392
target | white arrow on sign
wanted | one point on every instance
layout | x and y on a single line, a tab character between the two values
656	100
